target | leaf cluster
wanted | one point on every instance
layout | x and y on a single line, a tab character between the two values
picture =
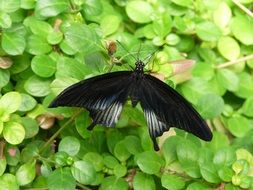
47	45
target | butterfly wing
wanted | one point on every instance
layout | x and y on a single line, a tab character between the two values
164	108
103	96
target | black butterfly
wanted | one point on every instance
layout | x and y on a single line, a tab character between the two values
104	96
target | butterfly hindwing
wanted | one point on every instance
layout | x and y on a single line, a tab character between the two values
164	108
110	115
103	96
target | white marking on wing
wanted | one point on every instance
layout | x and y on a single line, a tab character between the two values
156	127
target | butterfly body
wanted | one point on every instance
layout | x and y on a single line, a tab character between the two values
104	96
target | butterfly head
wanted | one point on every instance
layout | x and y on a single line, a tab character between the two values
139	65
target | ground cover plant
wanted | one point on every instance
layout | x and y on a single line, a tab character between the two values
47	45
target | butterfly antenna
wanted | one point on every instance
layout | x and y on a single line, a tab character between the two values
149	57
126	50
138	53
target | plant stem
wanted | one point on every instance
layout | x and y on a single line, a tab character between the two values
82	186
229	63
243	8
59	130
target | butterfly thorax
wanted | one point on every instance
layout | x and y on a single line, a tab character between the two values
139	66
137	78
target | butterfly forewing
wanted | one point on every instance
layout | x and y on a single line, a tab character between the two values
96	93
164	108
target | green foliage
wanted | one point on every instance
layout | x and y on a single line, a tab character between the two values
47	45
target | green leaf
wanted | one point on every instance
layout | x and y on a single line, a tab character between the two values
31	127
228	79
45	169
83	172
9	6
242	28
187	154
3	165
30	151
219	141
8	181
43	65
110	161
137	14
27	102
224	157
54	38
210	105
187	151
113	183
13	42
113	137
246	1
59	84
21	63
149	162
82	120
172	39
37	86
68	67
82	38
12	155
13	132
92	7
225	173
120	170
4	77
109	29
169	149
5	20
143	181
245	87
70	145
162	25
37	45
183	3
50	8
195	88
96	160
209	172
1	126
61	158
133	144
121	152
61	179
239	125
26	173
27	4
172	182
247	107
228	48
197	186
38	27
10	102
203	69
208	31
222	15
241	166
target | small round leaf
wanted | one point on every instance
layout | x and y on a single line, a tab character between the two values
83	172
70	145
26	173
139	11
13	132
